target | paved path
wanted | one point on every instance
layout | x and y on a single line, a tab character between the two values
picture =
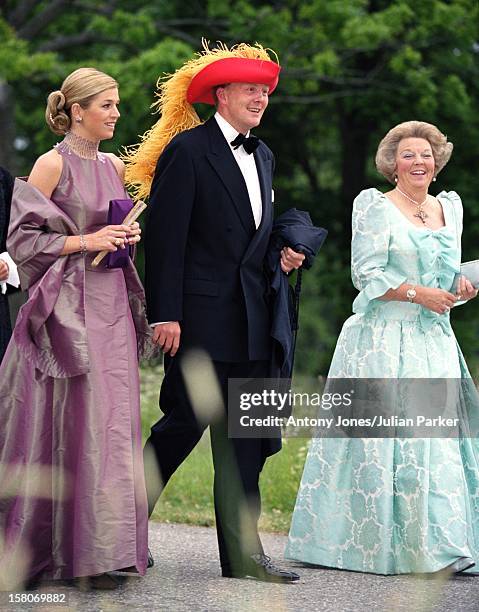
186	578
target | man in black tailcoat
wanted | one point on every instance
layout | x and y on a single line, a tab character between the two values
207	233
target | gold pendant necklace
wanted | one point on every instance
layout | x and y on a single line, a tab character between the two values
420	212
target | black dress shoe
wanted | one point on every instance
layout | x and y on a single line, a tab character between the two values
127	571
32	584
151	561
100	582
260	566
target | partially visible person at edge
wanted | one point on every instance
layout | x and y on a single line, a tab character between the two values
8	269
397	505
69	384
207	233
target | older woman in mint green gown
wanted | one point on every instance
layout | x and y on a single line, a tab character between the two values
397	505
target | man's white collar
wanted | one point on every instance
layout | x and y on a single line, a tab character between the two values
227	129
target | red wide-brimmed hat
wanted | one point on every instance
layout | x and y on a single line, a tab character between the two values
231	70
194	82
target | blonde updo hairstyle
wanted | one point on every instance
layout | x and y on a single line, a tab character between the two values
387	150
80	87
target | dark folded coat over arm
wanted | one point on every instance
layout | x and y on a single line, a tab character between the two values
293	229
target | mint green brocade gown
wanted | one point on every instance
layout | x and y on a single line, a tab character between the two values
391	505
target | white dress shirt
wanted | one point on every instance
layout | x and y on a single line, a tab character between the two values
12	278
247	166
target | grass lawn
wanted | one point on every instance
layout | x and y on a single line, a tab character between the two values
188	498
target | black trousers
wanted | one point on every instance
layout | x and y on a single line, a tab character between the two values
237	462
5	328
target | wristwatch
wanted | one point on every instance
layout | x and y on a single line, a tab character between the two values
411	294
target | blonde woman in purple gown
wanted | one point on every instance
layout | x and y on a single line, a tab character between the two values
72	492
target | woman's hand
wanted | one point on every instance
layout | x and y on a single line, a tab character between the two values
3	270
437	300
109	238
134	232
465	289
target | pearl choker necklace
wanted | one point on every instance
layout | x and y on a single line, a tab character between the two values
83	147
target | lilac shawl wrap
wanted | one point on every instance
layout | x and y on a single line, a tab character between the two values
50	328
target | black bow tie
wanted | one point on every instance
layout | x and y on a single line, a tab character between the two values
250	144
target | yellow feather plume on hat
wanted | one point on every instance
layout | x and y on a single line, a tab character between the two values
177	114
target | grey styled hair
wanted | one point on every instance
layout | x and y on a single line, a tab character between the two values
387	149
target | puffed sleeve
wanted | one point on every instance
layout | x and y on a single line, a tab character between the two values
371	273
456	205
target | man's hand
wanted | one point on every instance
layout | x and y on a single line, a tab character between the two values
290	260
167	336
3	270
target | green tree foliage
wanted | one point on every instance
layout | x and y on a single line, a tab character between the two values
352	69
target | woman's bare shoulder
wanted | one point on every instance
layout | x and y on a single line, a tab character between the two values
46	172
119	165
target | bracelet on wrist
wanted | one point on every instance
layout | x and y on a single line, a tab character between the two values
83	248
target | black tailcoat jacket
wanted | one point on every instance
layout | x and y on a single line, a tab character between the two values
204	256
6	188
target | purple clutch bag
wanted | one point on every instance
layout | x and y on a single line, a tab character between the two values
117	211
